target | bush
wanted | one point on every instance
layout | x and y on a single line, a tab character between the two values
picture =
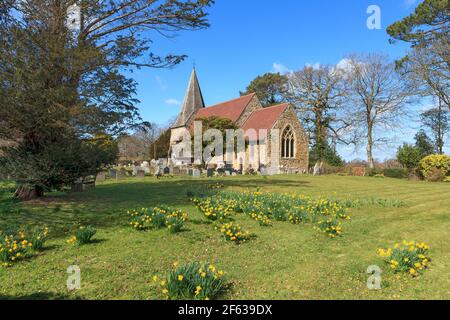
194	281
83	236
396	173
409	156
407	257
435	167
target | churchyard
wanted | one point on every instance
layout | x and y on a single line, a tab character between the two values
285	249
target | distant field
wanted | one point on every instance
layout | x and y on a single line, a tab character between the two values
284	261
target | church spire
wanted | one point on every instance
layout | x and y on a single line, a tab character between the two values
193	101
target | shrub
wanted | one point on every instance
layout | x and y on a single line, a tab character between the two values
409	156
407	257
396	173
431	165
83	236
233	232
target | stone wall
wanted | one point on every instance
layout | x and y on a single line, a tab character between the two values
253	105
301	161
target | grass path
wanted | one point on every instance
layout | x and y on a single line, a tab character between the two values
284	261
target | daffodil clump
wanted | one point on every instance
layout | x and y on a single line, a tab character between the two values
17	245
193	281
331	227
82	236
158	218
407	257
216	208
233	232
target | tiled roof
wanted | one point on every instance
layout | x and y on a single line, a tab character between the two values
265	118
232	109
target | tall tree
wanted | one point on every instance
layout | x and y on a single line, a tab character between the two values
270	88
427	65
62	80
319	95
423	143
437	121
379	95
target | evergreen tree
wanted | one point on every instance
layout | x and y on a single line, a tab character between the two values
270	88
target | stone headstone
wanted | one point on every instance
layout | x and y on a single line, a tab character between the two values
113	173
176	171
234	174
209	173
166	170
228	173
140	174
121	174
190	172
196	173
101	176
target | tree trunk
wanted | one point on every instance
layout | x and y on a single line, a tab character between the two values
26	193
369	146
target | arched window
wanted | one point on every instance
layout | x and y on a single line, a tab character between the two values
288	143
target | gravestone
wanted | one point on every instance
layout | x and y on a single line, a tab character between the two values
113	173
196	173
234	174
140	174
176	171
121	174
228	173
190	172
166	170
209	173
101	176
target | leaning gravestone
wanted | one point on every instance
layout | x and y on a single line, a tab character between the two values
140	174
101	176
196	173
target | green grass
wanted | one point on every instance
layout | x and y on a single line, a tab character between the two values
283	262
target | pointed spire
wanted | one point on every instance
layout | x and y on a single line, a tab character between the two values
193	101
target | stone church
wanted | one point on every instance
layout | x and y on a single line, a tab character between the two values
247	113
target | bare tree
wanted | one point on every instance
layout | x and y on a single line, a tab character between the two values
427	69
378	99
437	121
319	94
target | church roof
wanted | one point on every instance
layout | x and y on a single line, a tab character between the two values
232	109
193	101
265	118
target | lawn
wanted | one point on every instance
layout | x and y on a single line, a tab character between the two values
284	261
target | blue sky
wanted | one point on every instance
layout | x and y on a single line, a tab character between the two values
251	37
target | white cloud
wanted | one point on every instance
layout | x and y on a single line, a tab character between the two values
313	65
172	102
344	65
280	68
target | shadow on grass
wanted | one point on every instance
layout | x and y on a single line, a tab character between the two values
41	296
107	205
